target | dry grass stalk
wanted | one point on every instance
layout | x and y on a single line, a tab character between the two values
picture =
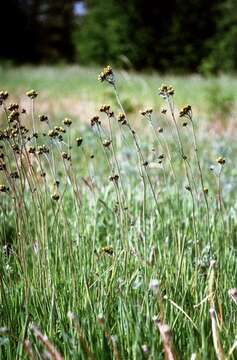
215	329
45	341
83	341
28	349
216	336
111	339
233	295
166	335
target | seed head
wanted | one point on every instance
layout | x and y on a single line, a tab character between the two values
55	197
95	120
146	112
107	75
122	118
13	116
163	111
166	91
105	108
53	133
3	96
220	160
79	141
14	175
43	118
186	111
107	143
67	122
66	156
32	94
12	107
108	250
3	188
114	178
2	166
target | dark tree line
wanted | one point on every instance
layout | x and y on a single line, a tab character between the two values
188	35
37	30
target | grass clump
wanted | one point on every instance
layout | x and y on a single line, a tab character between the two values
116	243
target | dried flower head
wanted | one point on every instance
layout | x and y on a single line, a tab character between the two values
163	111
108	250
107	75
43	118
3	188
114	178
14	116
220	160
67	122
31	150
53	133
32	94
55	197
105	108
166	91
79	141
122	118
3	166
186	111
66	156
3	96
14	175
146	112
107	143
43	149
95	120
12	107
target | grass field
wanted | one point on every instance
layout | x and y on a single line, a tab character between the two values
118	234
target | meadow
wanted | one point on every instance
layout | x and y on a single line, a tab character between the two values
118	215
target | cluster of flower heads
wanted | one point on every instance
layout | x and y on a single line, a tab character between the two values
220	160
107	75
3	96
146	112
23	141
186	111
95	120
106	109
32	94
122	119
166	91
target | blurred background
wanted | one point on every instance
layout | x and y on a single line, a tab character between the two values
191	44
175	35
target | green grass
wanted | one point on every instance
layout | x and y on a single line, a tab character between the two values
212	97
96	251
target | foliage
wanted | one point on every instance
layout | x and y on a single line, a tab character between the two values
176	35
223	47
